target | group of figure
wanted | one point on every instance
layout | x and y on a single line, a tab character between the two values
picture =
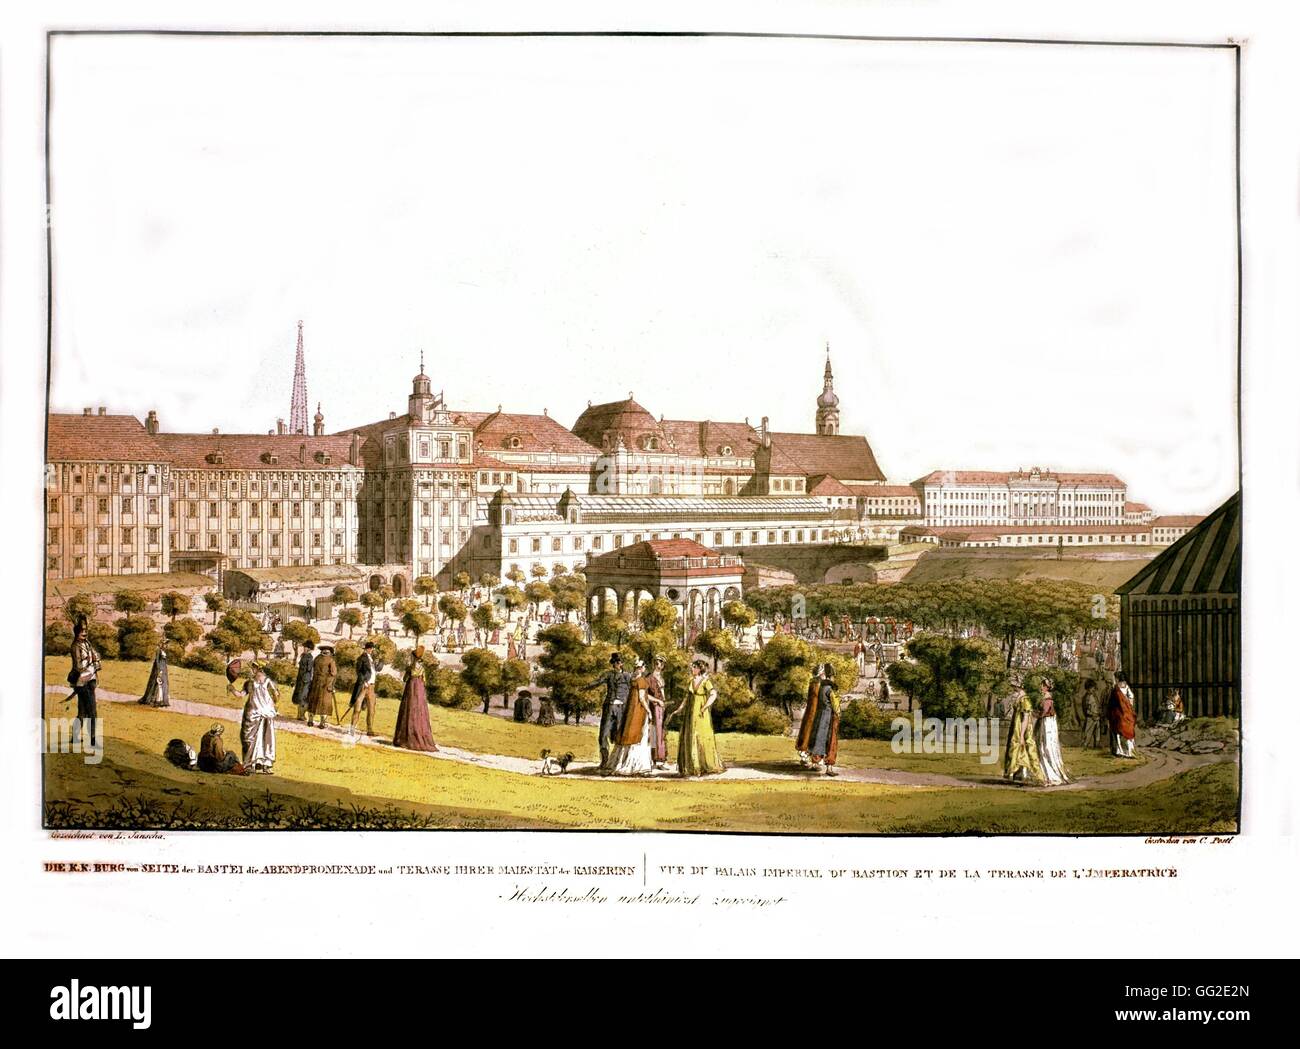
634	722
1033	752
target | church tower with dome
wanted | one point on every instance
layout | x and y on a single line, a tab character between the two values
828	404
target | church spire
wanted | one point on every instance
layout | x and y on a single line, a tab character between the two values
828	404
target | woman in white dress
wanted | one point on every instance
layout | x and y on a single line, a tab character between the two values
257	732
633	754
1049	740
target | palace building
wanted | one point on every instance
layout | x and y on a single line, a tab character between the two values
439	490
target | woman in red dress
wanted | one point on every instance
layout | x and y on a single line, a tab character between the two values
413	731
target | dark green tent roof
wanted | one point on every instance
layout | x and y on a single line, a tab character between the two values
1207	560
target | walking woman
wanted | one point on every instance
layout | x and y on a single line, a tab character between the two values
697	750
413	731
1021	764
158	693
1048	740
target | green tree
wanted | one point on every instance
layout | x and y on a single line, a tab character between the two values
417	622
350	618
558	569
950	677
610	628
58	639
738	709
372	599
738	616
183	632
227	642
571	669
513	599
490	580
716	645
452	608
215	603
426	586
104	639
516	575
537	593
538	570
344	595
482	673
657	614
385	650
515	674
462	581
246	629
137	638
406	604
175	604
298	632
485	619
79	607
567	599
129	601
784	672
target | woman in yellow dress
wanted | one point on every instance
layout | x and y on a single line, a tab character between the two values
697	750
1021	764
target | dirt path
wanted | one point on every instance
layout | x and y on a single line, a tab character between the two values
1160	764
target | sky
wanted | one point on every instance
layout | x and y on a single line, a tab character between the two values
1019	255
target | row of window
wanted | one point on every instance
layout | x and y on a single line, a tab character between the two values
102	564
273	488
103	536
578	542
255	540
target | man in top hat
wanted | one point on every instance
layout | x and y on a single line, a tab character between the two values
320	694
302	684
83	677
618	686
363	691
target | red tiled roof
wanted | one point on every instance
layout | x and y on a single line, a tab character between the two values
823	485
100	438
1135	508
245	451
639	557
844	457
536	433
993	531
625	417
1178	521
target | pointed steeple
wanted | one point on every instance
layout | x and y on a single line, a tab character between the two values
828	404
298	404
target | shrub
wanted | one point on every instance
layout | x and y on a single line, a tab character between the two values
737	709
445	687
175	653
345	679
346	653
137	638
103	639
388	687
862	719
282	671
206	658
58	639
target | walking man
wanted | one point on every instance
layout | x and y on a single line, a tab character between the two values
618	686
1091	715
363	692
83	677
302	685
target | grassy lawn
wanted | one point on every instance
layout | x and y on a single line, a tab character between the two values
1105	575
321	782
472	730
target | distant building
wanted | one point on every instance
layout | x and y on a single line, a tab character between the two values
1170	528
1022	497
1054	536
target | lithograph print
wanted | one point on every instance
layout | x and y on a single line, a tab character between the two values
750	435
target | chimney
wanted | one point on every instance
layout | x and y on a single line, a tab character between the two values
302	453
103	410
354	453
151	421
87	411
280	427
215	431
764	436
392	415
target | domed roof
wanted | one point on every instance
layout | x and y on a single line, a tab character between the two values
827	399
625	419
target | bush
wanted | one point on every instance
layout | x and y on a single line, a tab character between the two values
345	679
208	659
346	653
737	709
388	687
103	639
862	719
282	671
137	638
58	639
445	687
175	653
